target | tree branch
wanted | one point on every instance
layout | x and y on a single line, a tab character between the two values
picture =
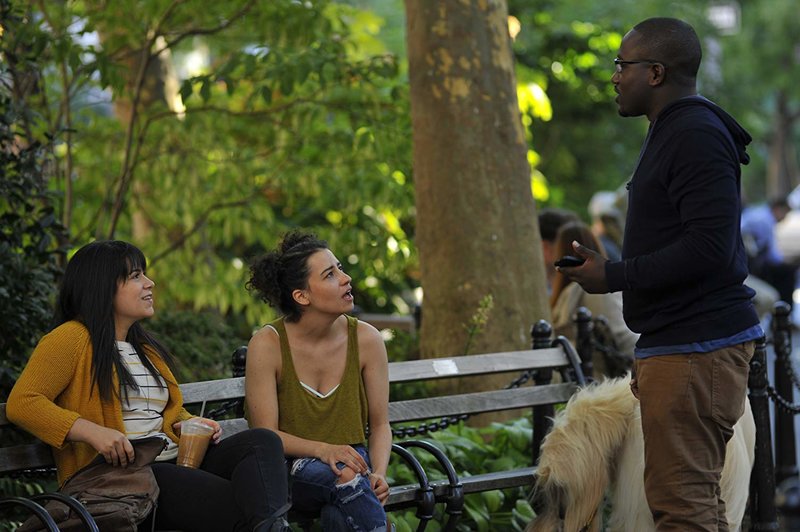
201	221
126	175
209	31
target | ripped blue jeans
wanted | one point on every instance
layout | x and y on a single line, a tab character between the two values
342	507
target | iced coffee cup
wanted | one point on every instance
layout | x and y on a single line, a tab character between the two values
193	444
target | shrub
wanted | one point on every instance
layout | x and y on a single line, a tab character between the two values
201	342
29	247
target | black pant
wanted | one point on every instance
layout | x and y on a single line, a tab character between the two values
241	482
782	277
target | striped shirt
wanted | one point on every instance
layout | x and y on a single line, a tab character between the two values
142	413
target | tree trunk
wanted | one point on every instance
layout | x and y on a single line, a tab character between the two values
477	232
782	165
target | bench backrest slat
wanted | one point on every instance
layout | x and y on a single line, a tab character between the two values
438	368
216	390
479	402
412	370
33	455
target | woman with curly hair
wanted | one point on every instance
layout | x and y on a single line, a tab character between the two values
318	378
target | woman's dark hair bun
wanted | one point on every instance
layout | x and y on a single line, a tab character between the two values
276	274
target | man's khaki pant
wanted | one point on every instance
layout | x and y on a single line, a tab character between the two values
689	404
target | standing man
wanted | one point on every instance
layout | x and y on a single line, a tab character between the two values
681	274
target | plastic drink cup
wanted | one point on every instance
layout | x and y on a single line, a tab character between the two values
192	447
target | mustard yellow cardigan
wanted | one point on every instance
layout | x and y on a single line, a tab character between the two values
55	389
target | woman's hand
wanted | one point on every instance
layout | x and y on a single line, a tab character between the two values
115	447
333	454
210	422
379	486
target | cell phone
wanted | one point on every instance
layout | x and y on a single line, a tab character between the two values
568	261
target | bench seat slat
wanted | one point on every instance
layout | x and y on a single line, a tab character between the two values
470	403
498	480
404	496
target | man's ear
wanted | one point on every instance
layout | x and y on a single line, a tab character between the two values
657	74
300	297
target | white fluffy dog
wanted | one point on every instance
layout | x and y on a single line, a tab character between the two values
596	446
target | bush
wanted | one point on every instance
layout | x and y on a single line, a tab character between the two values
201	342
29	247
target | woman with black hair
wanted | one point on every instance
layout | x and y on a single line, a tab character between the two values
98	380
318	377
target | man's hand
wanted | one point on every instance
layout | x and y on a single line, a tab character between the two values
591	275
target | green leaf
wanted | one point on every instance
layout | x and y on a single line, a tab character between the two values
266	95
186	89
205	89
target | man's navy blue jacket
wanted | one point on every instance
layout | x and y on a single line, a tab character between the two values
683	261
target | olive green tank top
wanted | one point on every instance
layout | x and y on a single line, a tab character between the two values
339	418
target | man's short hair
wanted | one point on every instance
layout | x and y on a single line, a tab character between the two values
675	43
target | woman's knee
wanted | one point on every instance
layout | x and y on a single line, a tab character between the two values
267	439
347	476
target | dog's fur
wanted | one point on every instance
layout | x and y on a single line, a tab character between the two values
596	445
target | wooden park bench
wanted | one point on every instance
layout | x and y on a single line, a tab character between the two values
531	366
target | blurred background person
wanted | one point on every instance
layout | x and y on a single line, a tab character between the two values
550	221
765	260
567	296
607	222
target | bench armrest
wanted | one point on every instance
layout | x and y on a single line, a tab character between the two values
425	499
35	508
454	502
73	504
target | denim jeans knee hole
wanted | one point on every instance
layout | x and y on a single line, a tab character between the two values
352	483
299	464
350	490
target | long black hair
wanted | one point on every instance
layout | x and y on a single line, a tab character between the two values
275	275
87	295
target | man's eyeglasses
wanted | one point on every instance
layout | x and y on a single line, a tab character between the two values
619	63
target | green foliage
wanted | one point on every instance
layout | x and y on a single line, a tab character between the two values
478	320
758	84
296	117
201	342
501	446
567	49
12	517
579	147
29	229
